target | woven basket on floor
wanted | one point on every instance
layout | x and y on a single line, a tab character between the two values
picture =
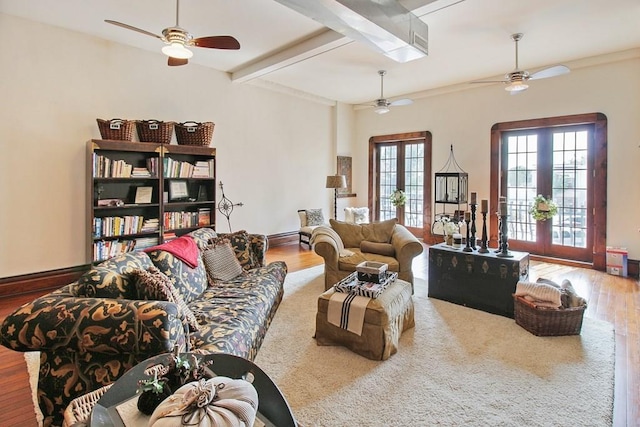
194	133
154	131
117	129
545	322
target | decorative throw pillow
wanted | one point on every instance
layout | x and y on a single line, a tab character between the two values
314	217
190	282
241	244
377	248
202	236
379	232
361	215
220	261
351	234
154	285
110	279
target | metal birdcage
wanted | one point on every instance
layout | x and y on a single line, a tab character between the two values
451	182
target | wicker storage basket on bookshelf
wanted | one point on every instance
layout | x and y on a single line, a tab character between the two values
545	322
154	131
194	133
117	129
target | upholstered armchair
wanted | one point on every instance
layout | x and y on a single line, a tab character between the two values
343	246
309	220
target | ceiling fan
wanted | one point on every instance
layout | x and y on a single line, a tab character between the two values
382	104
177	39
516	80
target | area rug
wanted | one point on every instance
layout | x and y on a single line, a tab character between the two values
458	366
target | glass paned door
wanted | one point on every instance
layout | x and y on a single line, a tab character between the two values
553	162
414	184
401	165
387	181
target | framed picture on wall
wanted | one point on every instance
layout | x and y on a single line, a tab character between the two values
344	168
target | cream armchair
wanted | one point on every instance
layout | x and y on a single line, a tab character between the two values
343	246
310	219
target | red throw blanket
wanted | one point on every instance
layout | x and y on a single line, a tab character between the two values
183	248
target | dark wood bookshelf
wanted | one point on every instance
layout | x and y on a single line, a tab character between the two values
123	189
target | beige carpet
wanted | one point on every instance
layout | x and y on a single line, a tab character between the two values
459	366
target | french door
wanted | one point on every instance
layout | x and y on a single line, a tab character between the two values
404	164
555	162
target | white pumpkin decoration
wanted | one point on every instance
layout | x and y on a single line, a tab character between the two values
216	402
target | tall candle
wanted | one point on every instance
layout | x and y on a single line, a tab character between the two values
467	216
503	208
473	198
485	206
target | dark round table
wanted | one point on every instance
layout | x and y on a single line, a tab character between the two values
272	404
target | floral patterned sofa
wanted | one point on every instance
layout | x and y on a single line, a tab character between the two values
92	331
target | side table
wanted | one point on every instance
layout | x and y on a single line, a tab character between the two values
272	404
482	281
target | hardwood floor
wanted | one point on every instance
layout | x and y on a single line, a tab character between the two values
612	299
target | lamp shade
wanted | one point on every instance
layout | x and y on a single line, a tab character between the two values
336	181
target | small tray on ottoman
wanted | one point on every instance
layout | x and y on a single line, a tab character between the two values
371	271
545	322
353	285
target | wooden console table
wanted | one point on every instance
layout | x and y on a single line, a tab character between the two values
482	281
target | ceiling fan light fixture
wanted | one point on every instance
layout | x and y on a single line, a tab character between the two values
177	50
516	86
381	109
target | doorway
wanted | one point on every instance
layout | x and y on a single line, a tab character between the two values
401	161
561	159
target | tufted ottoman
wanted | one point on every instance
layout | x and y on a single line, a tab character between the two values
385	318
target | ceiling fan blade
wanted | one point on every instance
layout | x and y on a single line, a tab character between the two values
175	62
549	72
132	28
489	81
217	42
403	101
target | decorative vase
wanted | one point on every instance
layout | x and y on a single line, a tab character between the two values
449	239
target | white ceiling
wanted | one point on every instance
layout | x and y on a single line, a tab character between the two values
468	39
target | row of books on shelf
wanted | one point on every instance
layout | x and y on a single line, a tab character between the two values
177	169
183	219
108	249
110	226
105	167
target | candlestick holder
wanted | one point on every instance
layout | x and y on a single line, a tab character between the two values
483	249
504	244
473	225
499	234
467	248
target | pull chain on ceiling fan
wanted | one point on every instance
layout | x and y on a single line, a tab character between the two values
516	80
177	39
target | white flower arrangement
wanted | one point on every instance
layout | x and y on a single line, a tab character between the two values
398	198
450	227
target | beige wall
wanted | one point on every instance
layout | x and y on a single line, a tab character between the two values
282	146
464	117
274	150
